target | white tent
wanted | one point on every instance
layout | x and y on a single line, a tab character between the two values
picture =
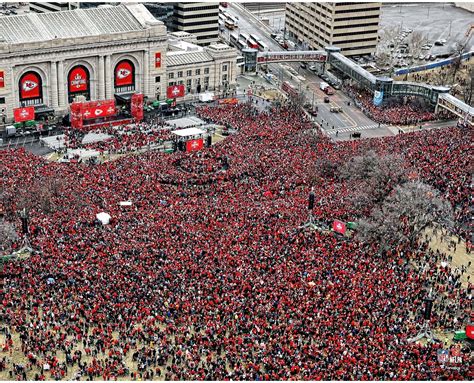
125	203
189	132
104	218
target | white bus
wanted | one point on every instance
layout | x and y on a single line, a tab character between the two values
244	36
262	46
230	25
234	38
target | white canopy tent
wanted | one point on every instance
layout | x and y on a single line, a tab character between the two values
104	218
189	132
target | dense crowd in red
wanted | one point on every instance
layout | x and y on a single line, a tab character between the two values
396	114
123	138
206	275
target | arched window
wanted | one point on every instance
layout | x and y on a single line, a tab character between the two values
31	88
79	82
124	77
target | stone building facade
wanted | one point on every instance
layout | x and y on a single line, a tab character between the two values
46	60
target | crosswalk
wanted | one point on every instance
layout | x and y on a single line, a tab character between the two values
354	129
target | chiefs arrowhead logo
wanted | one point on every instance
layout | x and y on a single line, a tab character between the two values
175	91
110	110
123	73
195	144
87	113
24	113
338	226
29	85
98	112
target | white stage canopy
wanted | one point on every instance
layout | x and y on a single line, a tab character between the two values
103	217
189	132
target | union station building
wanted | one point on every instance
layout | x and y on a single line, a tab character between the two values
47	60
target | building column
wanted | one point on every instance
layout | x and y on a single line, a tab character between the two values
62	97
108	78
101	78
54	85
146	73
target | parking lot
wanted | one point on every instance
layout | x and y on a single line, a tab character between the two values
417	33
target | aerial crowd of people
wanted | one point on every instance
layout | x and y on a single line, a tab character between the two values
205	275
394	113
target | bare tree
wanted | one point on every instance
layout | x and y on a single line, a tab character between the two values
459	49
405	215
416	42
8	235
376	175
467	89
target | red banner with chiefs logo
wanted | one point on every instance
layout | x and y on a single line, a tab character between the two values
98	109
175	91
2	79
30	86
76	115
124	73
158	60
137	106
230	101
78	80
339	227
24	114
193	145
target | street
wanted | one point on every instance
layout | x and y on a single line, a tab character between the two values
350	120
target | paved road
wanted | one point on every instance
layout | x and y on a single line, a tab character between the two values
350	120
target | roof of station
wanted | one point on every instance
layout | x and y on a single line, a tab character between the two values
36	27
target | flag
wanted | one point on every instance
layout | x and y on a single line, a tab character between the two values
470	331
24	114
339	227
193	145
175	91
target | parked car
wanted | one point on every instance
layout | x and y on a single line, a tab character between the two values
313	68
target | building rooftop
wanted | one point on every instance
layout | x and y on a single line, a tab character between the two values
187	58
77	23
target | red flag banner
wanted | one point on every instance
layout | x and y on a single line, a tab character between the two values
470	331
2	79
339	227
137	106
24	114
124	73
78	79
30	86
231	101
158	60
76	115
98	109
194	145
175	91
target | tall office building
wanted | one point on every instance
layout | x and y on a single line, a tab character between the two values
353	27
53	7
200	19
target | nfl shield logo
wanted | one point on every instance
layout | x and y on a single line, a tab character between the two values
443	356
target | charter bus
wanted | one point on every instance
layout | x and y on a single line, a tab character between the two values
234	38
244	36
241	44
232	18
252	43
229	24
262	46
